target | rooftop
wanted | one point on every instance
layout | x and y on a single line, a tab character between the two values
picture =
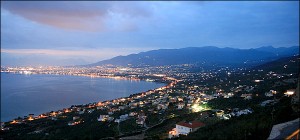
283	130
193	124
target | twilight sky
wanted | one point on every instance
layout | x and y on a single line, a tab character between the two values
77	32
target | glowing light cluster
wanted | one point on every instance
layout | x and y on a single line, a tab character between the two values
197	108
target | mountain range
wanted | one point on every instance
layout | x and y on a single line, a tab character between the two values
203	56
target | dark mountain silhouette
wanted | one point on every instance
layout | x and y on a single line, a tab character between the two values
205	56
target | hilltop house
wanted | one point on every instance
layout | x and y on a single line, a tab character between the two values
246	96
180	105
184	128
122	118
141	120
241	112
103	118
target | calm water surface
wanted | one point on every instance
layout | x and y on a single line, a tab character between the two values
24	94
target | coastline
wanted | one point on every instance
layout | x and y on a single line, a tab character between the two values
93	104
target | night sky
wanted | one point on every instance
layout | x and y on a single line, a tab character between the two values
69	33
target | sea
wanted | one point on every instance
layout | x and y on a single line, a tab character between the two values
39	93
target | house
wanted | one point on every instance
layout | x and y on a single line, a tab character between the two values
154	102
241	112
67	110
122	118
91	110
74	122
75	118
133	104
132	114
53	113
3	128
122	107
228	95
289	92
141	120
246	96
100	108
16	121
81	111
173	133
117	120
162	106
31	117
141	104
287	130
54	118
180	105
184	128
103	118
270	93
226	116
2	125
110	112
216	95
219	113
43	116
172	100
264	103
151	110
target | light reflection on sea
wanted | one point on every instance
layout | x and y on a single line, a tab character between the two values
24	94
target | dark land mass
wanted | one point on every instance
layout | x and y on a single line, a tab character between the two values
161	107
203	56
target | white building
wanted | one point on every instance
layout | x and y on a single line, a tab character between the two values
141	120
103	118
180	105
122	118
184	128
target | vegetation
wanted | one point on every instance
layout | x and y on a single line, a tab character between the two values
159	122
253	126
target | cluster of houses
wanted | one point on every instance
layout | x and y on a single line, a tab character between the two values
236	112
159	99
53	115
184	128
140	118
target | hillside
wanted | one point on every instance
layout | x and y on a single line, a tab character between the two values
203	56
285	64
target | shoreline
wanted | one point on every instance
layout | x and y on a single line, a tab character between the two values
97	103
91	76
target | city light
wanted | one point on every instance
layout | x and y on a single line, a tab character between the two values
197	108
289	92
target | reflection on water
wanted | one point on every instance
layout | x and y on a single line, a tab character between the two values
24	94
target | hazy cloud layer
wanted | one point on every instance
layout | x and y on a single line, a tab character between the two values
62	57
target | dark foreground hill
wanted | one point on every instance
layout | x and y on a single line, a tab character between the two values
285	64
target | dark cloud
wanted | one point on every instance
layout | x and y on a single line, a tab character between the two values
78	15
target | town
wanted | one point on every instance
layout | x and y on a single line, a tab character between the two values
193	99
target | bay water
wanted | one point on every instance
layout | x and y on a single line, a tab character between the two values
37	93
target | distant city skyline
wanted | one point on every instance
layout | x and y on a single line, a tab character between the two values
77	32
